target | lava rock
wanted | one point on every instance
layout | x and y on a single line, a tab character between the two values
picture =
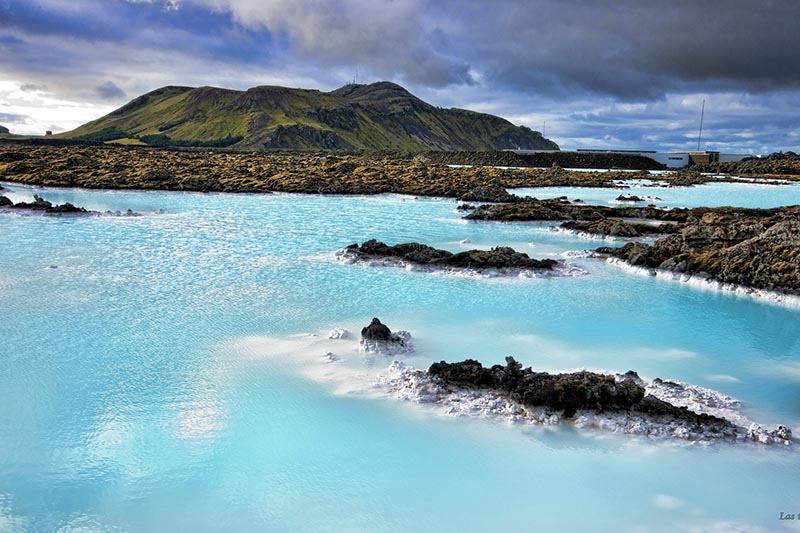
497	258
563	392
629	198
40	204
378	338
757	248
376	331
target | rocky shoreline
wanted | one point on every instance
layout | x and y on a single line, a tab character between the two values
501	260
618	403
586	400
751	248
757	249
561	209
121	167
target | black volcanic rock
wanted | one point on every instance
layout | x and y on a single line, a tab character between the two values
570	392
533	209
376	331
378	338
562	392
622	403
613	227
421	254
629	198
40	204
489	193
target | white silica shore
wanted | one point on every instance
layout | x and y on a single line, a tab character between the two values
705	283
399	344
338	360
407	383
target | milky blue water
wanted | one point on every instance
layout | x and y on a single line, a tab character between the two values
709	194
127	404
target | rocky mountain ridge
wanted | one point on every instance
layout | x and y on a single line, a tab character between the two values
375	117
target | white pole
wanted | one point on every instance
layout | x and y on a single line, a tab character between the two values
702	114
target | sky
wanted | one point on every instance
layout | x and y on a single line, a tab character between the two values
604	74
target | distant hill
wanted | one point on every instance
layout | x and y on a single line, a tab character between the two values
4	130
379	116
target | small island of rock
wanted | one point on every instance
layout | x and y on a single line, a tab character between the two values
378	338
622	403
502	259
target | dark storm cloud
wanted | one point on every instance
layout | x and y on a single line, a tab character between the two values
630	48
625	48
388	39
569	62
109	91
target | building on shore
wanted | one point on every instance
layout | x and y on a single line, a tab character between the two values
674	159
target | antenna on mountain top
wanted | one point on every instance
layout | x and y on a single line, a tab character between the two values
702	114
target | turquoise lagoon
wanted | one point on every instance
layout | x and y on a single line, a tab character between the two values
130	401
712	194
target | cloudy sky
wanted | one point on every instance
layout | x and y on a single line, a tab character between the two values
593	74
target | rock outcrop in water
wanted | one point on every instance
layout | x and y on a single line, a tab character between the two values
560	392
618	403
501	258
611	227
555	209
378	338
42	205
753	248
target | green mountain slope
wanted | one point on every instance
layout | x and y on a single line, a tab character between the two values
379	116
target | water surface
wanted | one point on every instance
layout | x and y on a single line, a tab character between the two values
756	195
128	404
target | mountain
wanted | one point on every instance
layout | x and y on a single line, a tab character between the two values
4	130
379	116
